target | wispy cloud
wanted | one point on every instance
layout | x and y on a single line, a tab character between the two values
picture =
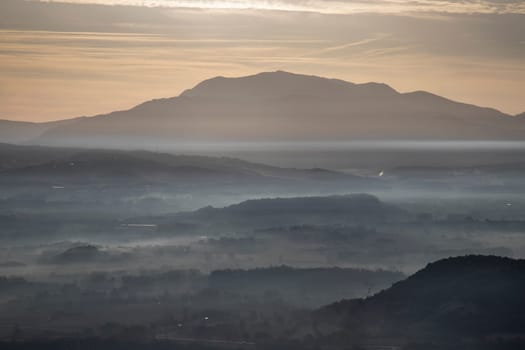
353	44
62	60
332	6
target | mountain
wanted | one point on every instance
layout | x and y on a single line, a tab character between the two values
281	106
12	131
54	165
20	132
469	297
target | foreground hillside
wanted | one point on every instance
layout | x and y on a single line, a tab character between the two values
471	299
468	302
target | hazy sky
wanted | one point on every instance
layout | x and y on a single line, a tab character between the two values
85	57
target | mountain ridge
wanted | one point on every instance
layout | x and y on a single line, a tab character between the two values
27	164
282	106
12	131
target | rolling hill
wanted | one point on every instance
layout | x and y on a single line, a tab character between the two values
353	209
35	164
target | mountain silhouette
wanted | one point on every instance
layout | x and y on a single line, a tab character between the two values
51	165
282	106
354	209
469	296
20	132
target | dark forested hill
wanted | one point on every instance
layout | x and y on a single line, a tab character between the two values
476	297
274	212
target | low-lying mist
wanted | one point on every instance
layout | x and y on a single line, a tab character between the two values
108	243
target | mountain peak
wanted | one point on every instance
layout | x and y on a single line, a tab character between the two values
469	263
281	84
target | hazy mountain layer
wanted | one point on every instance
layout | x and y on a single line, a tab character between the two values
20	132
70	165
274	212
281	106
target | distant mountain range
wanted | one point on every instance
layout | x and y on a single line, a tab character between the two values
276	106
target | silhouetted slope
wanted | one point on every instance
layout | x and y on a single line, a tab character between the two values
18	132
69	165
13	131
287	107
307	286
478	296
274	212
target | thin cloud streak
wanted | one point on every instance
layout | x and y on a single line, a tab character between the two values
56	75
330	6
62	60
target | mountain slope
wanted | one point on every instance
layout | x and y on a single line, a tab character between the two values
470	296
354	209
33	164
281	106
19	132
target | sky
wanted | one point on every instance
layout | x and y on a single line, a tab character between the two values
63	59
